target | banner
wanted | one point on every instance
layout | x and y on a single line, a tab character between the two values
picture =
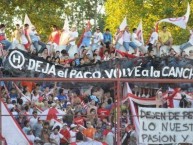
23	64
163	126
180	21
11	130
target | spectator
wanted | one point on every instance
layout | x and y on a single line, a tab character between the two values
73	133
127	40
97	40
16	36
26	127
3	39
66	135
33	119
45	134
89	132
165	38
118	39
108	135
36	41
55	137
107	38
28	43
153	39
86	41
37	129
72	38
137	41
61	96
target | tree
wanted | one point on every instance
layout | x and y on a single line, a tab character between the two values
150	11
45	13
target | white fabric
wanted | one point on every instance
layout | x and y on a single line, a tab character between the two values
98	37
72	36
64	38
140	32
109	139
23	39
10	131
123	24
33	121
134	39
27	20
56	137
66	25
72	136
191	37
180	21
153	38
31	138
126	37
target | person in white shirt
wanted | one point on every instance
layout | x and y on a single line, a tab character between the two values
127	40
189	43
73	133
72	38
55	137
153	39
34	119
135	39
97	40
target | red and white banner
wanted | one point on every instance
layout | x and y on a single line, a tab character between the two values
140	32
11	131
180	21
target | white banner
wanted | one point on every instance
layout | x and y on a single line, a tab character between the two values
180	21
11	130
162	126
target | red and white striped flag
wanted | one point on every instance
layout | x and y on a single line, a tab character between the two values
140	32
180	21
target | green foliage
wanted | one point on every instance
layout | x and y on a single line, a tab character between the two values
150	11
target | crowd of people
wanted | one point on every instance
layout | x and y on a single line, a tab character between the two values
90	113
63	47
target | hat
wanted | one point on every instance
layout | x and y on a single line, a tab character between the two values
73	125
55	98
65	124
68	103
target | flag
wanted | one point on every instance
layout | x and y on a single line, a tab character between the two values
180	21
66	25
125	54
123	24
88	25
11	131
27	20
140	32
